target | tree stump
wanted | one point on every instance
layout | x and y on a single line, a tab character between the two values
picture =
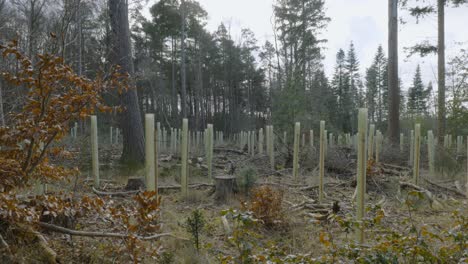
225	187
135	184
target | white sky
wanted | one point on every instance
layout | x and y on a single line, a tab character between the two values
362	21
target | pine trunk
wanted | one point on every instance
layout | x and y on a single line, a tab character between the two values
393	87
441	70
121	54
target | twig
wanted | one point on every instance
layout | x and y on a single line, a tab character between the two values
122	193
72	232
5	246
170	187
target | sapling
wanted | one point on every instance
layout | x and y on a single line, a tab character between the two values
194	225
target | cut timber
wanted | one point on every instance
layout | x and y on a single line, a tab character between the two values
225	186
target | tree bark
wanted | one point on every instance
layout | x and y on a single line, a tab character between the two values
121	54
2	115
183	99
393	84
441	70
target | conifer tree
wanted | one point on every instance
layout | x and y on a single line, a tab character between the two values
417	96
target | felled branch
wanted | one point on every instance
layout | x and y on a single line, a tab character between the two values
72	232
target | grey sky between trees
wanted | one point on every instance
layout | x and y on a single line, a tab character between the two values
362	21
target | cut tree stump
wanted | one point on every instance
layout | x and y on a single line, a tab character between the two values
135	184
225	187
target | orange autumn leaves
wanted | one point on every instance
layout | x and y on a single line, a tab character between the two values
54	97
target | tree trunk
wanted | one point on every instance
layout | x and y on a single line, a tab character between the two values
121	54
183	99
174	110
441	70
2	116
393	87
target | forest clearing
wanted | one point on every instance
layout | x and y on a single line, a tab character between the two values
131	133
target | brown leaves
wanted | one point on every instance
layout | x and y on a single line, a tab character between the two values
266	205
56	96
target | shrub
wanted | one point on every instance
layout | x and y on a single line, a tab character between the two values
266	206
246	179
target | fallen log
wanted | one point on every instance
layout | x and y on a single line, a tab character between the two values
122	193
240	152
454	191
170	187
72	232
433	201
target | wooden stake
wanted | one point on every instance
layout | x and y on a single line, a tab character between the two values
158	135
156	160
184	158
466	185
323	145
260	141
377	147
95	151
311	138
111	134
430	151
370	148
209	153
297	132
149	153
411	148
417	145
272	148
361	172
402	142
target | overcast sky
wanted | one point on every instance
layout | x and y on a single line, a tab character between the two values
362	21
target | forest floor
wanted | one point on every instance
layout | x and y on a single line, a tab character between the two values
303	218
